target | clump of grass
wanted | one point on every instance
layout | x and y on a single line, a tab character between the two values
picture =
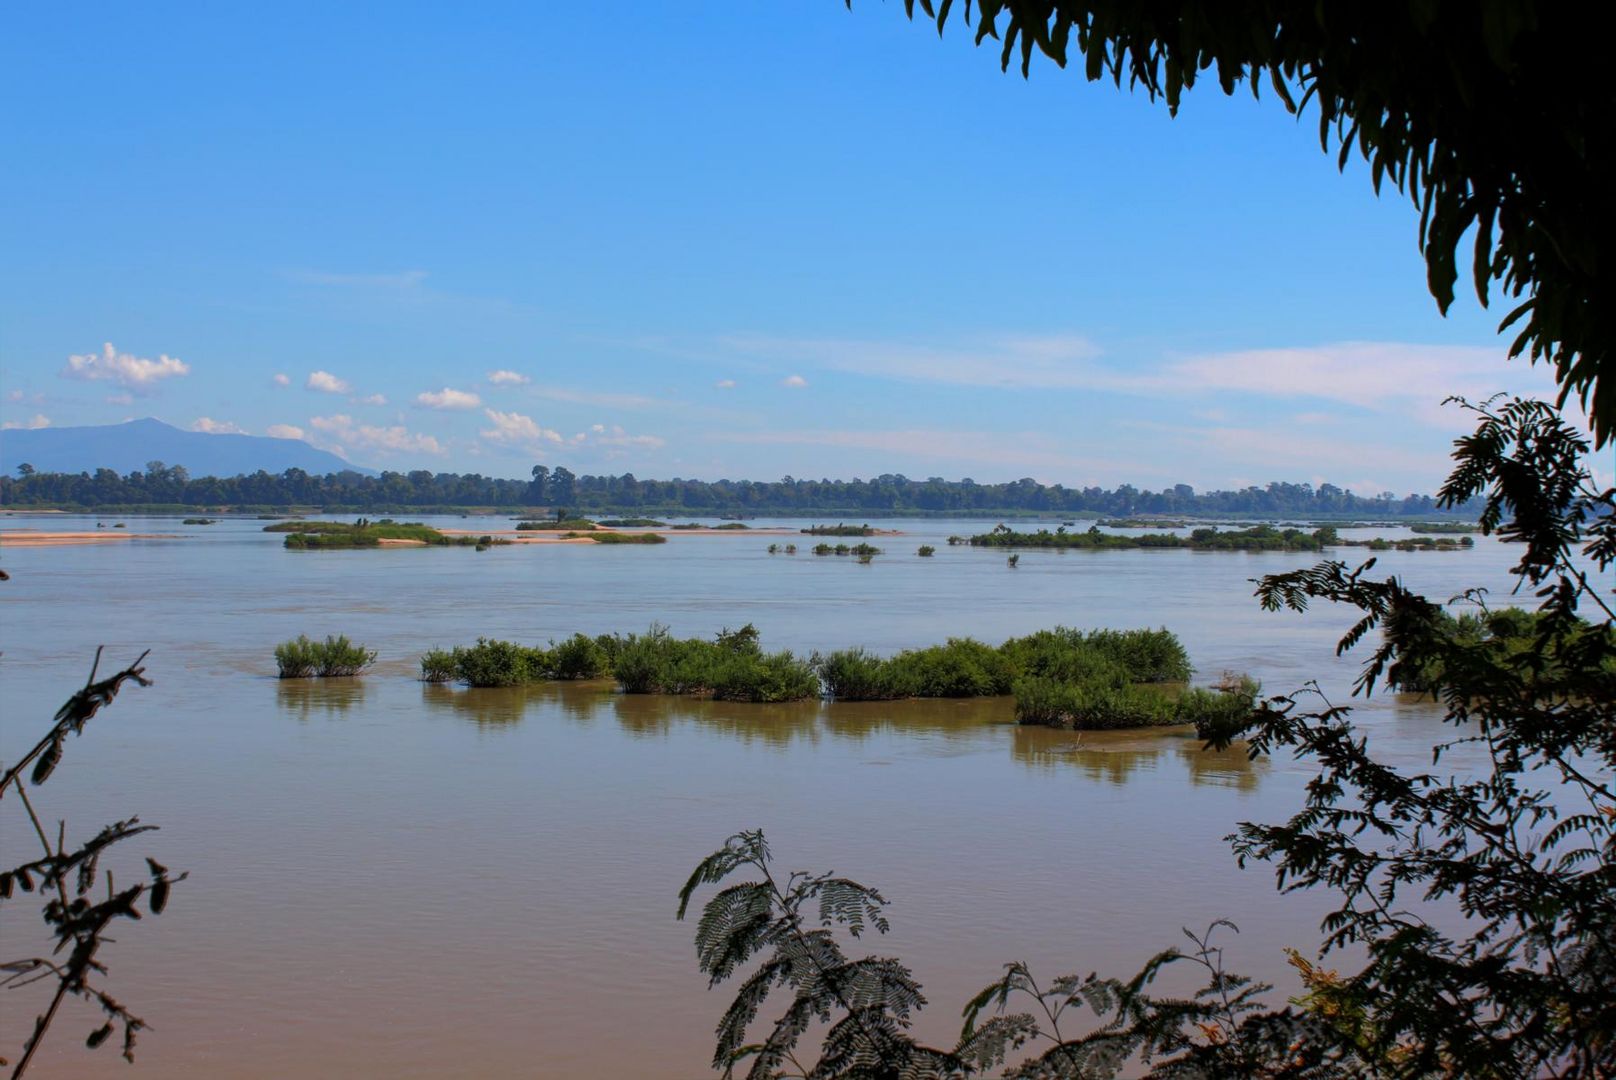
305	658
926	551
791	549
731	526
632	523
200	521
1013	561
774	549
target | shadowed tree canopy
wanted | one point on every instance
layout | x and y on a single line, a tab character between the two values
1495	118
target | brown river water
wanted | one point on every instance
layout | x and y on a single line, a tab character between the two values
401	880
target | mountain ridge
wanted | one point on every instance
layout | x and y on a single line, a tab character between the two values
127	447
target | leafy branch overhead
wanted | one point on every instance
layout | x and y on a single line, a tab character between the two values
1495	119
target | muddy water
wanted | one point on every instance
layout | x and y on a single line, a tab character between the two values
391	879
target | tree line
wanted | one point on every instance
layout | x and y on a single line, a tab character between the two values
161	485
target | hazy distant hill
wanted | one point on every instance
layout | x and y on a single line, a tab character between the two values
128	447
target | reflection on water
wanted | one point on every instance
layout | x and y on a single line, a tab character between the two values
328	699
500	706
1116	756
1113	756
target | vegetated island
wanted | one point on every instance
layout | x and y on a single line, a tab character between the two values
1142	523
364	533
1099	680
839	530
1445	527
1257	538
556	525
335	657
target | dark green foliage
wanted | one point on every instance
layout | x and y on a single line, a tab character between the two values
499	663
578	657
313	535
1444	527
628	538
967	668
200	521
304	658
1223	709
1256	538
439	665
1494	119
425	492
1505	637
1413	543
731	526
1093	705
763	678
926	551
839	530
556	525
632	523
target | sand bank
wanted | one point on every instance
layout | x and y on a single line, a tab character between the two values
38	538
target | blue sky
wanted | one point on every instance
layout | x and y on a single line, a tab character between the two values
701	239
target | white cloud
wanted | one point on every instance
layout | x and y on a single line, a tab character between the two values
216	427
284	431
508	378
725	384
386	440
33	423
616	436
373	399
448	399
120	399
794	382
514	429
124	369
326	383
1367	374
282	379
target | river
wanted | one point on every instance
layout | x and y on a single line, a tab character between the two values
402	880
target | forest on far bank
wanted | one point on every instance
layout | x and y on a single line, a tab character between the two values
162	486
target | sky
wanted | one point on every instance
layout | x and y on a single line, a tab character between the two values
702	239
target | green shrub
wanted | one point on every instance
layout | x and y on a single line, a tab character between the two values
1148	656
578	657
763	678
632	523
303	658
962	668
628	538
926	551
854	675
438	665
1221	710
1092	706
500	663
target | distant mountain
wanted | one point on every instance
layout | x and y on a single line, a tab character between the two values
127	447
